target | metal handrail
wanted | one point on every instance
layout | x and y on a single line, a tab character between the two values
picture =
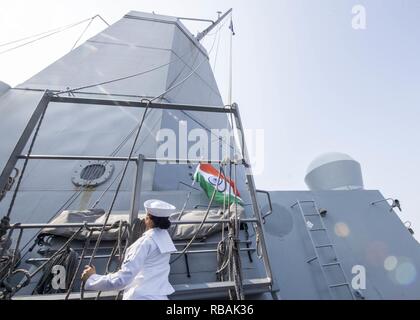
270	211
78	225
49	97
105	256
111	158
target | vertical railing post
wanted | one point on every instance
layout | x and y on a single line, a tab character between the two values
135	198
23	140
252	188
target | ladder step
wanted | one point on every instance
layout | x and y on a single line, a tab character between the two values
324	246
311	259
331	264
318	229
338	285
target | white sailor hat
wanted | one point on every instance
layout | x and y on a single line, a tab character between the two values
159	208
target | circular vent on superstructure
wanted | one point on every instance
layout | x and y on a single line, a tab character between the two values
92	173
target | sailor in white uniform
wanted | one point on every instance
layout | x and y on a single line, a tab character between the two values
145	270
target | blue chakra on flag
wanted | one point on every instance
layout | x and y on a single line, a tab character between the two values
221	186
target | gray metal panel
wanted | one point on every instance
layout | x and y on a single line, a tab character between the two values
363	234
94	62
18	106
129	46
167	19
202	82
137	32
3	87
71	129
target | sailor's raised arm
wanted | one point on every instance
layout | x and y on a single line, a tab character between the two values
131	266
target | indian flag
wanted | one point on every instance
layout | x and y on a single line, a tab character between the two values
208	177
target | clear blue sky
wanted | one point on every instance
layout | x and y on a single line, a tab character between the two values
301	72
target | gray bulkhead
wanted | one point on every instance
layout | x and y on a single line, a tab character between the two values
371	236
136	43
363	234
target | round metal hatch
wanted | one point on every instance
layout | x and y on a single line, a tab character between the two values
92	173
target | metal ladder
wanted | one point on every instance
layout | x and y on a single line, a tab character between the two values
325	266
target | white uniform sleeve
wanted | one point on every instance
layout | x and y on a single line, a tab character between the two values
119	280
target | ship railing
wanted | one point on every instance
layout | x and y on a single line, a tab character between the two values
34	125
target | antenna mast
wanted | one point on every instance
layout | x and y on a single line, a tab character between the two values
202	34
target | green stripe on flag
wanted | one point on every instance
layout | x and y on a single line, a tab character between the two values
219	197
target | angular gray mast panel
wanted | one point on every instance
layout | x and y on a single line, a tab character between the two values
136	43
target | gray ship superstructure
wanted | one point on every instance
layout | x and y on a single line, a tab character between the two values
69	135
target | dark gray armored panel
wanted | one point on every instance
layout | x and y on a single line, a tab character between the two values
371	236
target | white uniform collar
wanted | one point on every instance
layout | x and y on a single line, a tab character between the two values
162	239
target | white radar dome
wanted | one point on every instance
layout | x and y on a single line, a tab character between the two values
334	171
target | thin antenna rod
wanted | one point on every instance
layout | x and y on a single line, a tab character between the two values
196	19
202	34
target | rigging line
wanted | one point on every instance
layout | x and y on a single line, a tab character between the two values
102	19
228	144
195	120
230	62
153	99
77	193
134	75
230	90
122	78
216	54
42	33
67	203
213	33
43	37
179	83
204	218
198	53
121	251
126	139
183	68
218	43
83	32
219	35
30	275
82	256
98	241
183	80
133	146
12	202
185	204
135	141
196	57
138	148
131	153
119	173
